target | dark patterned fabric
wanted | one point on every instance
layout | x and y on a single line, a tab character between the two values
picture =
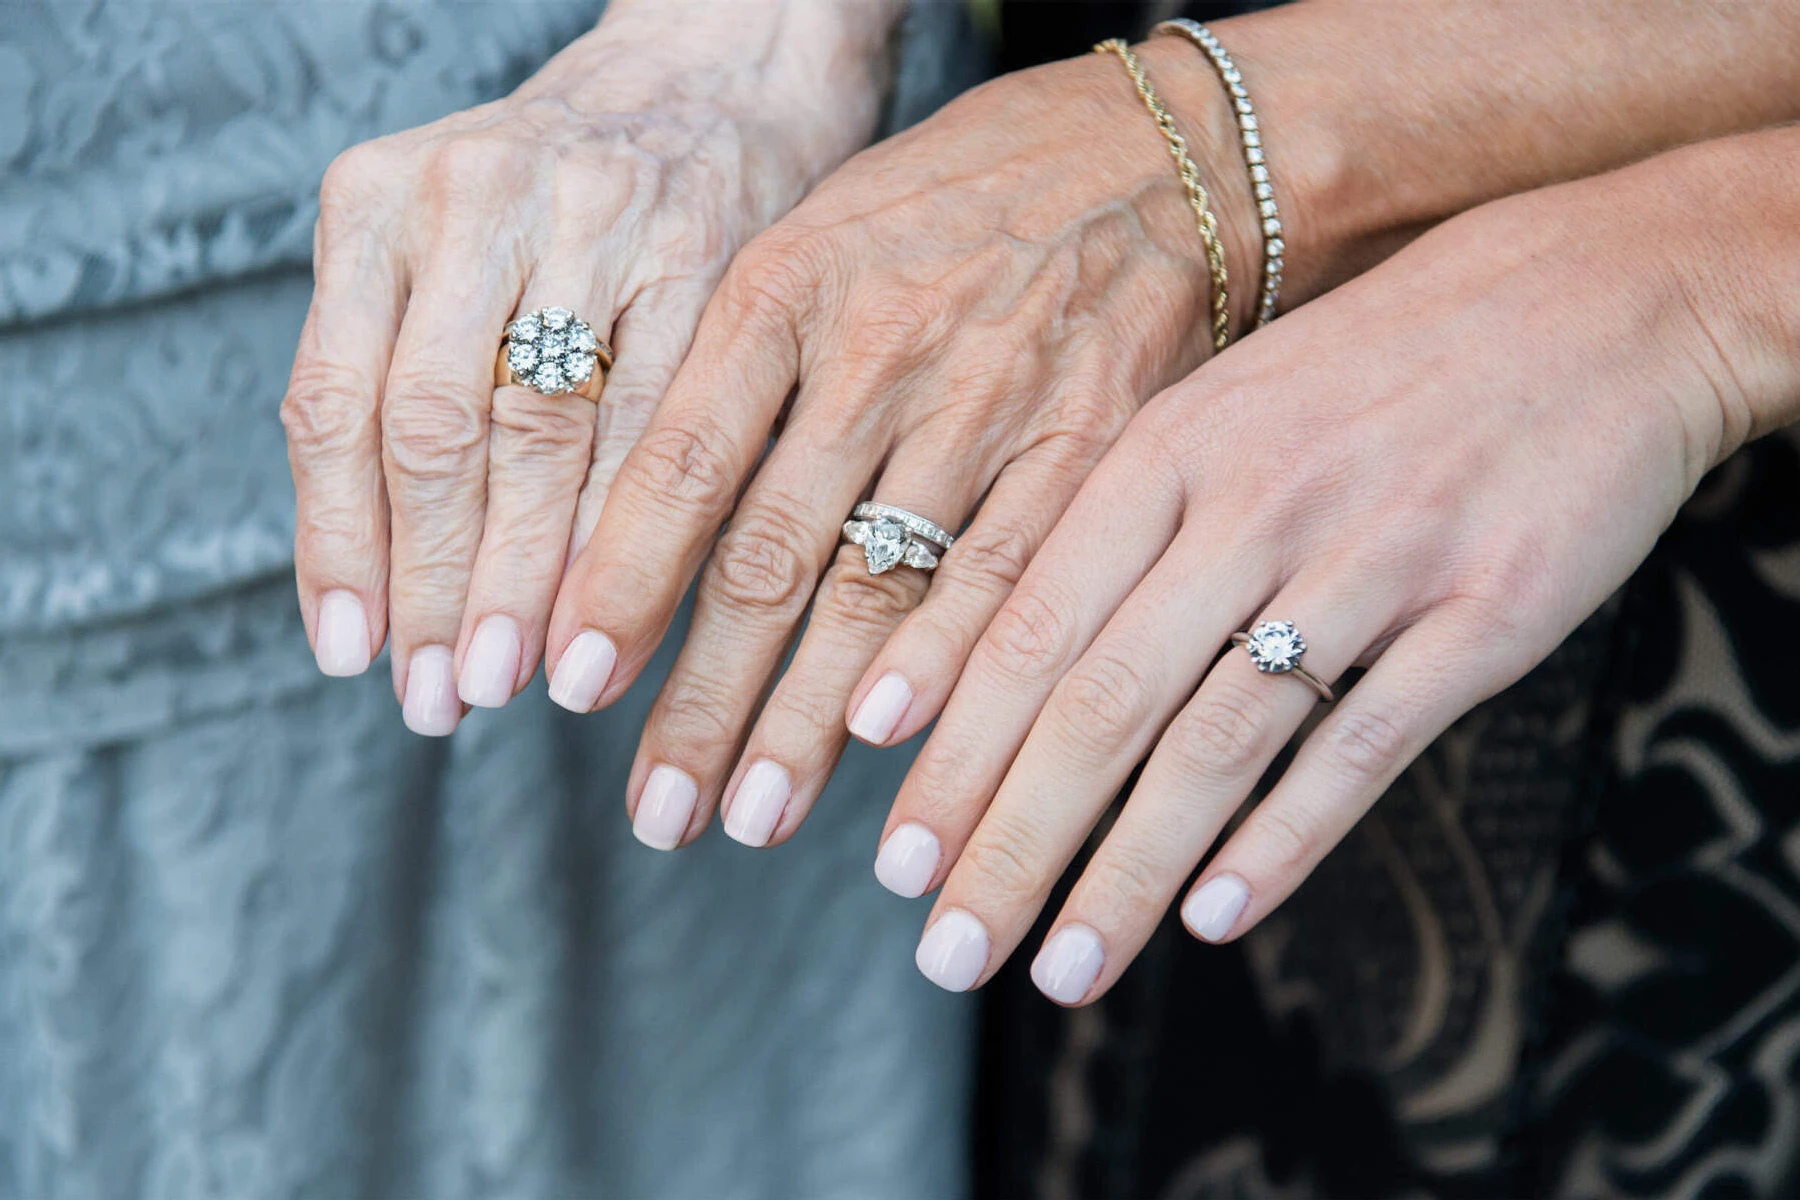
1558	959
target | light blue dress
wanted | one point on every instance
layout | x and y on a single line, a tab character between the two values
256	940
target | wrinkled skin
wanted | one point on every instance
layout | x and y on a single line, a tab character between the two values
1437	471
618	182
974	308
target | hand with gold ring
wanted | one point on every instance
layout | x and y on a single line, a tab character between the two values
450	441
1436	471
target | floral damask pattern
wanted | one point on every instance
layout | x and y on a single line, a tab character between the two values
255	939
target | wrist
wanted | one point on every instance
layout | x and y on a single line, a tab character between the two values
811	74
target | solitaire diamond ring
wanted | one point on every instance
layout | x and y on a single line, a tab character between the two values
1276	648
553	352
891	536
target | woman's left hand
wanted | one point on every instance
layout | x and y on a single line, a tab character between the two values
1439	469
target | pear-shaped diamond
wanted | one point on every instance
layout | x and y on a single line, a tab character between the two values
885	545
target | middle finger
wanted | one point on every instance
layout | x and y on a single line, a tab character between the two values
434	421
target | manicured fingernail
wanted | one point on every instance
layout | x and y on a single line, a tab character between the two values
954	951
583	670
491	665
880	712
342	634
756	809
908	860
431	706
1211	912
1068	964
665	808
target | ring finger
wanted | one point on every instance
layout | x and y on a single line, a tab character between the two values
435	425
800	733
1203	768
539	451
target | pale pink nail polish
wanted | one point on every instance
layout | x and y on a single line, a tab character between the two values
491	664
908	860
954	951
342	634
431	707
879	714
1068	964
1215	907
665	808
583	670
756	809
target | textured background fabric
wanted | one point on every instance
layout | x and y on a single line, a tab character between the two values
256	939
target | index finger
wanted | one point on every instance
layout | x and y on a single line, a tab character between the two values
674	490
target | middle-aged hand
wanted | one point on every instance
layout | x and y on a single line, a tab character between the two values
970	313
1440	468
617	182
976	306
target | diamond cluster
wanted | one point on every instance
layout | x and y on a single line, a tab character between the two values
886	544
1275	647
552	351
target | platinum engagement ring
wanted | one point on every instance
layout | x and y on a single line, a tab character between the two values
891	536
1276	648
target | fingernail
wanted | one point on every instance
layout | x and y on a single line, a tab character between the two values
908	860
583	670
954	951
342	635
1211	912
756	809
431	706
664	809
880	712
1068	964
491	665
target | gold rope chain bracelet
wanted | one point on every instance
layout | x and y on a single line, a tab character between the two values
1190	179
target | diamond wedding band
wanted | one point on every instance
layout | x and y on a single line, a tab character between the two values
891	536
1276	648
553	352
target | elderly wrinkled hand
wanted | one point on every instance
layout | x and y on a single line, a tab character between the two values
437	510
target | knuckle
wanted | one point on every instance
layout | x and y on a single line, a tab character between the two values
425	441
862	601
996	554
889	322
471	162
1128	881
1029	635
1103	703
682	465
694	714
1284	838
352	179
762	562
1085	429
1365	743
772	276
327	409
1000	861
1224	731
537	428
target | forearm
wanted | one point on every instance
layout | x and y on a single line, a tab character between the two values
1383	119
1726	223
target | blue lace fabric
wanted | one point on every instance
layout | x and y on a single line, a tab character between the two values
256	939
